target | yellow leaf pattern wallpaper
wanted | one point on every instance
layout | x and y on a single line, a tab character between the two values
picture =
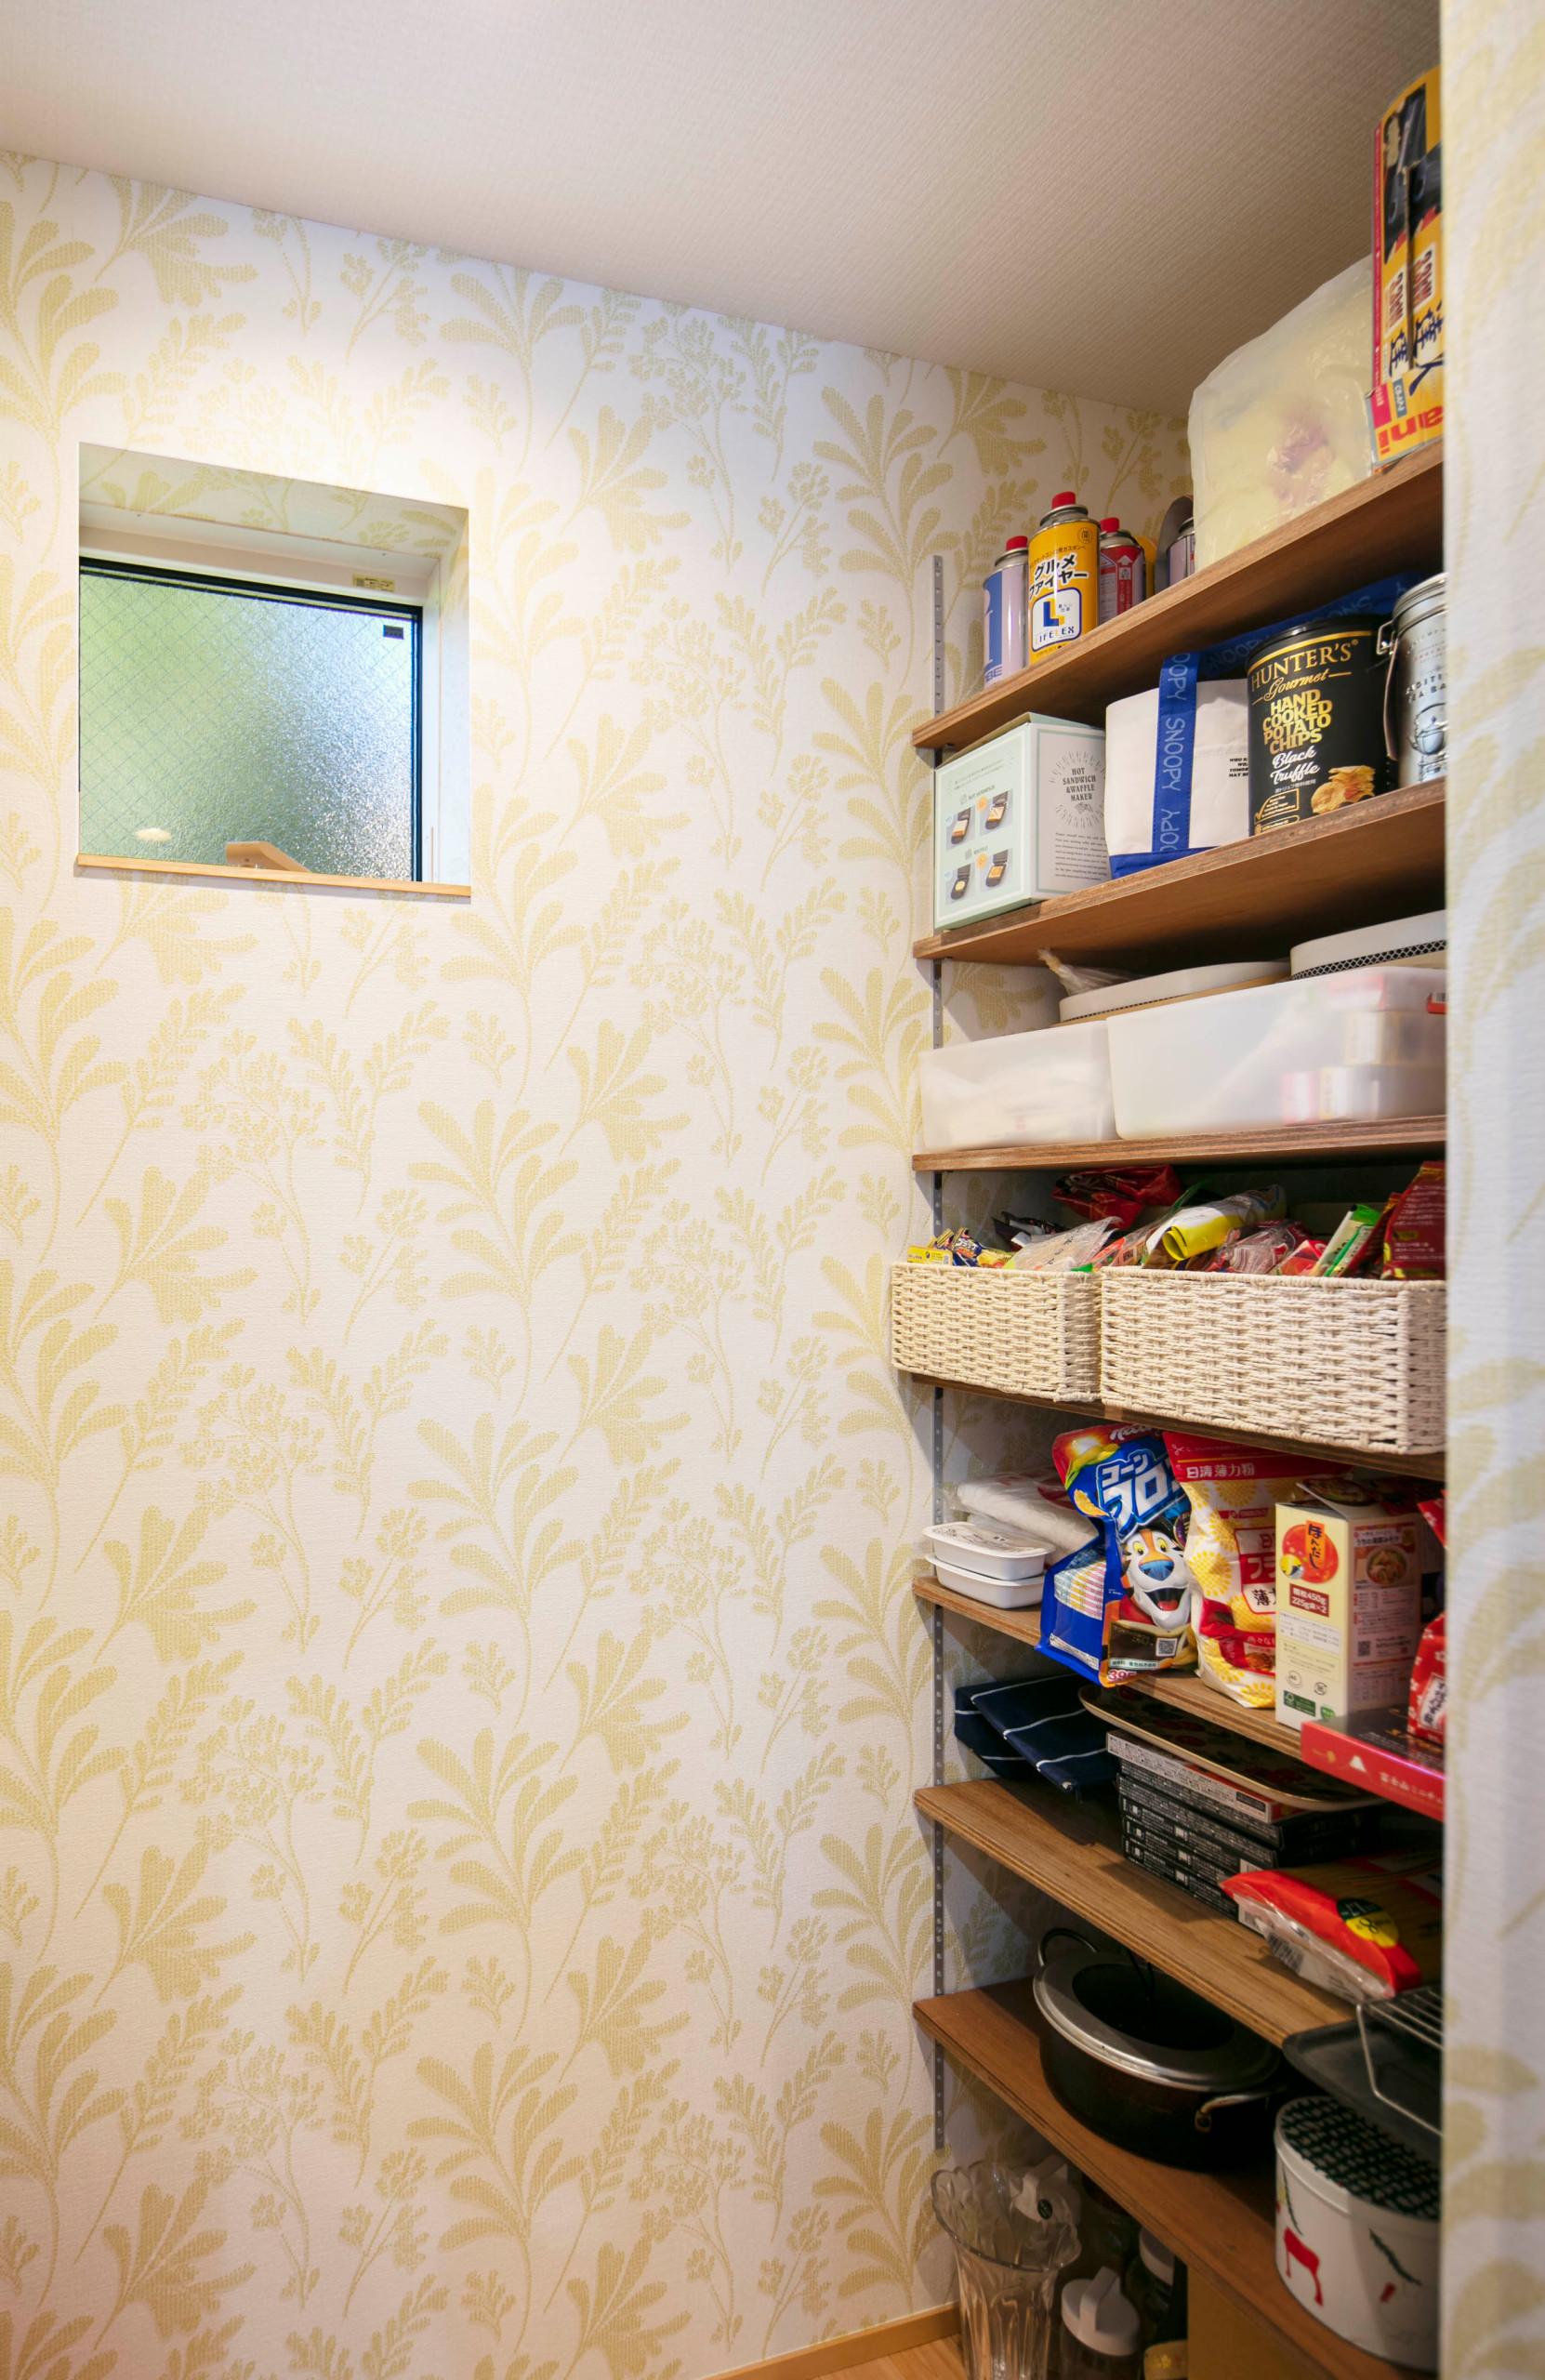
460	1696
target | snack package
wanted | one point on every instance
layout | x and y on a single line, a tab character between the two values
1367	1928
1231	1547
1065	1251
1124	1605
1256	1251
1304	1259
1348	1241
1428	1704
1195	1229
1123	1196
1414	1232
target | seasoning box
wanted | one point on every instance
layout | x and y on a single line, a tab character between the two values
1348	1603
1406	397
1018	817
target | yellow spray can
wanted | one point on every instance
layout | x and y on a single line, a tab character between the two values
1064	576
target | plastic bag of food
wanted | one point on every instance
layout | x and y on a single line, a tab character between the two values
1038	1503
1230	1547
1124	1605
1367	1928
1283	422
1428	1707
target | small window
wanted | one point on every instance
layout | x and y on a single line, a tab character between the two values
219	715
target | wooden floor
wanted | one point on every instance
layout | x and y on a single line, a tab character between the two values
940	2360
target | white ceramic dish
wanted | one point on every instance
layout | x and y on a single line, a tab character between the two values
1181	983
1403	942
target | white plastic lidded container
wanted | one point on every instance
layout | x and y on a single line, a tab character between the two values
1357	2230
984	1559
1367	1044
1048	1085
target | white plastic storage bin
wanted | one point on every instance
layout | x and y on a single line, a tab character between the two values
1364	1045
1049	1086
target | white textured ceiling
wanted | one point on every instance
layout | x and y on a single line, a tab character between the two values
1100	195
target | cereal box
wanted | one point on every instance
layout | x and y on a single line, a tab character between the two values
1348	1603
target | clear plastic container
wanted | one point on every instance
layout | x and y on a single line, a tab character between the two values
1053	1085
1364	1045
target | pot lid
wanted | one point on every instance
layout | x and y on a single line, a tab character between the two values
1351	2159
1081	1993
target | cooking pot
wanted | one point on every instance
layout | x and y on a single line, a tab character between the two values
1147	2064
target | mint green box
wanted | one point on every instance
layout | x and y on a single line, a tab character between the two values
1018	817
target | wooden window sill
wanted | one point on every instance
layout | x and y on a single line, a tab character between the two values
273	876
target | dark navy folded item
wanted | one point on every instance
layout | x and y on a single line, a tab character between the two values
1042	1720
990	1749
1019	1703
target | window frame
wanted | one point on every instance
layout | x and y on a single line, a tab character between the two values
285	587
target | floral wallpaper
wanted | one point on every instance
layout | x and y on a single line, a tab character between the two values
1494	2205
460	1696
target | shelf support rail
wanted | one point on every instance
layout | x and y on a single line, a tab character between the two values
938	1450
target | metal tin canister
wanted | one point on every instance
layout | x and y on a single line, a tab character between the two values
1416	685
1316	729
1005	600
1064	576
1123	571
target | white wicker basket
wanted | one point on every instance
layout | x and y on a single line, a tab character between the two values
1354	1364
1029	1334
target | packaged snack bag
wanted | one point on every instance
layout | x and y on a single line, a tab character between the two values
1367	1928
1427	1708
1414	1232
1231	1546
1124	1605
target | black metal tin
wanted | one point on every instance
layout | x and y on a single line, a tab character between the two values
1316	720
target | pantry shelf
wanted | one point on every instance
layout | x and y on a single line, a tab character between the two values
1405	1467
1072	1851
1294	1143
1220	2224
1188	1693
1392	521
1253	898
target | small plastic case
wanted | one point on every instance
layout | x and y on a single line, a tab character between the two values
996	1566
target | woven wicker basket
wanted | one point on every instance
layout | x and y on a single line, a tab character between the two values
1354	1364
1029	1334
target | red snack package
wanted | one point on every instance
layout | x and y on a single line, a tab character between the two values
1303	1259
1124	1195
1427	1711
1414	1228
1432	1510
1367	1927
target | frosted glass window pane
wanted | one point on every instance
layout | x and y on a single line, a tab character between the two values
211	717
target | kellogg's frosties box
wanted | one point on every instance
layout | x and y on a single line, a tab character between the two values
1348	1602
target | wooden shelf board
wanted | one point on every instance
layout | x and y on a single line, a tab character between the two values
1403	1466
1255	898
1391	521
1222	2224
1294	1143
1072	1850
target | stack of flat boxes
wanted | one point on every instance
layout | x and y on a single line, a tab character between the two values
1194	1830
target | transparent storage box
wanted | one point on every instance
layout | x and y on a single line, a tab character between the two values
1054	1085
1361	1046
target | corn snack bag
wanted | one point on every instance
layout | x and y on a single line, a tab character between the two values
1122	1606
1231	1546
